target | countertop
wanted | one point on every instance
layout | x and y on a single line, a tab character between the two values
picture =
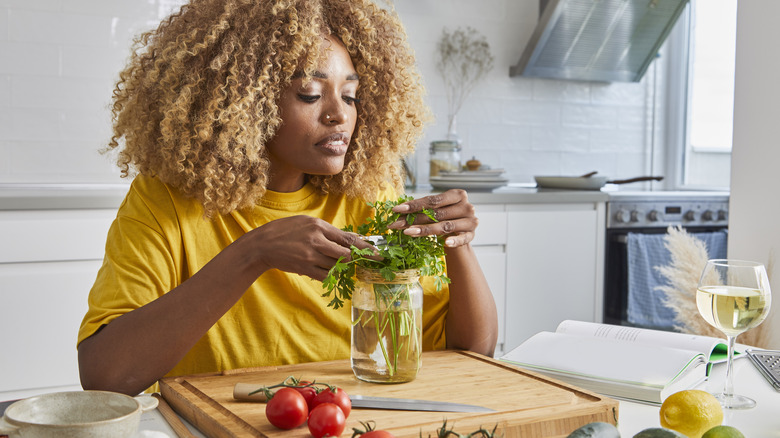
761	421
97	196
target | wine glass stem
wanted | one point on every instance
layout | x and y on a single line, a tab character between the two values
728	389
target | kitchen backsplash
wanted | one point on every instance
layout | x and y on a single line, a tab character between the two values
59	60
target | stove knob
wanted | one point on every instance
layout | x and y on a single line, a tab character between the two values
635	215
707	215
690	216
621	216
654	216
723	215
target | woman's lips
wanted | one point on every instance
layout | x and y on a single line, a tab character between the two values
335	144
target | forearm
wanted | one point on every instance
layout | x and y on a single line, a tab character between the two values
472	322
138	348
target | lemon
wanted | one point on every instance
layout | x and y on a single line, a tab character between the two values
723	432
691	412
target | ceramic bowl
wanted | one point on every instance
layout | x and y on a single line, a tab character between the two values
87	414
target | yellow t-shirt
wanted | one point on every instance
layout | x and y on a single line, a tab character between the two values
161	238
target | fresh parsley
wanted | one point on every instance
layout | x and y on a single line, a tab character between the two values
402	252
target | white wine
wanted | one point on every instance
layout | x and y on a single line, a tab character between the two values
732	309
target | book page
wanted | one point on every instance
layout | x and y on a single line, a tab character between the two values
713	349
602	363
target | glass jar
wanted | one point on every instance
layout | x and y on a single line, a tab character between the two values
386	326
445	156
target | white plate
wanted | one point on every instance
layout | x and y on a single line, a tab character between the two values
439	183
469	180
468	174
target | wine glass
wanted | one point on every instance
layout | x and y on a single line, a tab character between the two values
733	296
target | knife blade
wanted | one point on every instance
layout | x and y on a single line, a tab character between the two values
407	404
241	392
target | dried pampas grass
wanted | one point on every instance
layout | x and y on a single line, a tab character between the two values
688	258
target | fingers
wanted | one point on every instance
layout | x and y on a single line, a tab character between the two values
454	215
458	232
433	201
452	204
304	245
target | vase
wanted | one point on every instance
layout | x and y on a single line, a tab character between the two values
452	130
386	326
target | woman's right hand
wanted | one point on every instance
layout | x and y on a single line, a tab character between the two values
302	245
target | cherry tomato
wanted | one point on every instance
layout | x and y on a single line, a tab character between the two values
339	398
308	393
287	409
377	434
327	419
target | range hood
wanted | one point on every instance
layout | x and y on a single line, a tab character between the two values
597	40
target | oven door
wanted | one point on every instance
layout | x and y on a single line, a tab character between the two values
619	288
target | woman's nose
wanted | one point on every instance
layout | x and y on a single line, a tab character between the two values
334	113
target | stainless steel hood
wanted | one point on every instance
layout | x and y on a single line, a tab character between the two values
597	40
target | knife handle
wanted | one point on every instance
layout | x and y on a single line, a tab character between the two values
241	392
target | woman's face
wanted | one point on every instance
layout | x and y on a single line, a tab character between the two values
318	119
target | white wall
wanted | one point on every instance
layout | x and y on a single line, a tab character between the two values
754	233
529	126
60	58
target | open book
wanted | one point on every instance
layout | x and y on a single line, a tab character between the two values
623	362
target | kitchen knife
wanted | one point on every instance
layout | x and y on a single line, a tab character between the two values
407	404
241	392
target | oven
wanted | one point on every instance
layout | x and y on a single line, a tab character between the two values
635	228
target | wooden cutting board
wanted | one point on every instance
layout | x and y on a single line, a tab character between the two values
527	404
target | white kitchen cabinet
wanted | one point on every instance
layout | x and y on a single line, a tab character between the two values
48	262
490	247
554	267
541	253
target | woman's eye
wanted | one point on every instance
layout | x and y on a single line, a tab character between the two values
308	98
351	100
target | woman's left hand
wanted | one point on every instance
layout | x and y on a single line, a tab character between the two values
455	217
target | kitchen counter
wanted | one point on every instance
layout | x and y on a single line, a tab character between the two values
61	196
522	194
635	417
97	196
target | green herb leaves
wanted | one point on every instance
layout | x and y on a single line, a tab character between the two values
401	252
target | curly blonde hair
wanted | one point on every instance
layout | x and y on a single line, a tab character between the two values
197	102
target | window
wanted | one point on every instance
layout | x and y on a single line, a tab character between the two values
701	94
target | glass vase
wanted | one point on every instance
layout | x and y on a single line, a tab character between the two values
386	326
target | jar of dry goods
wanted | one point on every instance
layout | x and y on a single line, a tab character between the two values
445	156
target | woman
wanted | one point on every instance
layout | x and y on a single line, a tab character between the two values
258	129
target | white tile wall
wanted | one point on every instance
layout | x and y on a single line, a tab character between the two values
530	126
60	58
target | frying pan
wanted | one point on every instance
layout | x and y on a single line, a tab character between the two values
586	182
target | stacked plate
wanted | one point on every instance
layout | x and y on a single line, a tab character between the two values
488	179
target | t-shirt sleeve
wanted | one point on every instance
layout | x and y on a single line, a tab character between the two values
138	266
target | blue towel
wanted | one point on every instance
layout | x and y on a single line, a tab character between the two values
646	251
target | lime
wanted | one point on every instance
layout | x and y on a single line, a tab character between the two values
723	432
691	412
